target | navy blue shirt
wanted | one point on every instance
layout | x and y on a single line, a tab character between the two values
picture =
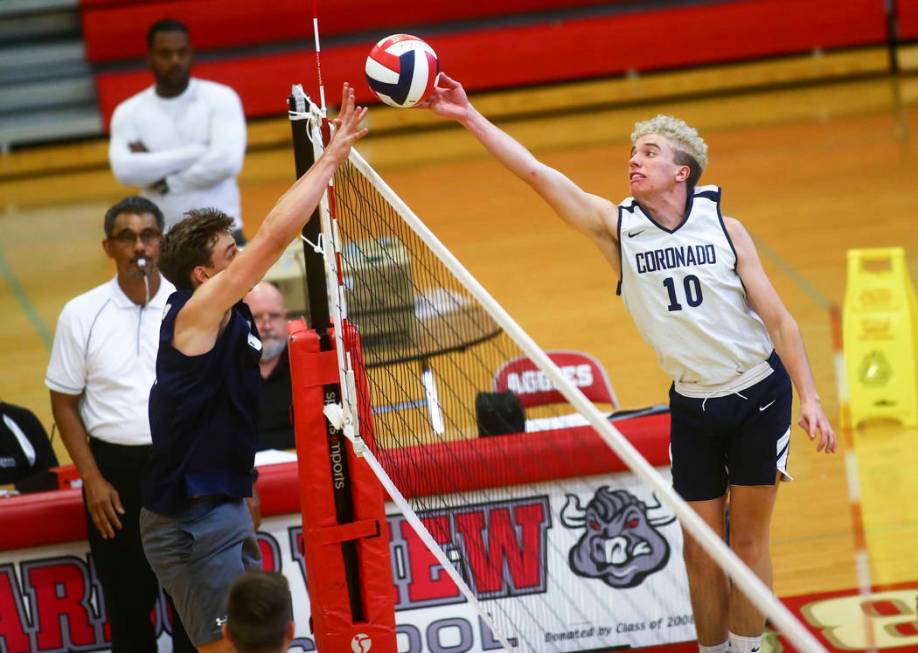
203	414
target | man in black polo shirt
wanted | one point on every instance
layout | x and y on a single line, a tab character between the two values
197	532
275	430
26	455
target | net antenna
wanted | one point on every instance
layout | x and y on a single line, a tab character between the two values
370	253
315	33
343	415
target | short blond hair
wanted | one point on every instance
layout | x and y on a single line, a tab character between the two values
680	135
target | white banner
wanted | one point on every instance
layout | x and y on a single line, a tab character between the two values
608	562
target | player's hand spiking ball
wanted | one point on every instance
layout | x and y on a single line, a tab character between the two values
448	99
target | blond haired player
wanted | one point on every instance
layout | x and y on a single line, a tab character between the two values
695	287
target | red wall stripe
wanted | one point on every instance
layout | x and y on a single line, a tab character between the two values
117	31
546	53
908	19
55	517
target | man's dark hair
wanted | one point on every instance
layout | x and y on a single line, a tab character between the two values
190	243
685	159
258	612
135	205
165	25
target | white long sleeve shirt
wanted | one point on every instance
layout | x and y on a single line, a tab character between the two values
195	141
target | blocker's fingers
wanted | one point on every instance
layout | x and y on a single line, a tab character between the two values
347	100
356	135
352	114
356	118
356	115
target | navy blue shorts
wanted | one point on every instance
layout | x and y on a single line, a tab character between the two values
739	439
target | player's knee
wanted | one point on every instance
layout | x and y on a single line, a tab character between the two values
694	554
750	549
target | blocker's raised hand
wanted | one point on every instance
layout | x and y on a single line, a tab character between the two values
347	126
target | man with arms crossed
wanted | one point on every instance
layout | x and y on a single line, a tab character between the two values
196	530
100	373
183	139
698	294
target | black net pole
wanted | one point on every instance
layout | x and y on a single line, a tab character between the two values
892	35
316	296
320	321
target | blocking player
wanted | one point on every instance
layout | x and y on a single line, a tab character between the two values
695	287
197	532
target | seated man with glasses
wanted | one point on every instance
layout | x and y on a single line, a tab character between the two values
275	429
101	369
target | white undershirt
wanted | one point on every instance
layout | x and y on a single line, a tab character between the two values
105	350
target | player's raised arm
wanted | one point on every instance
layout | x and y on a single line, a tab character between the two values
584	211
200	318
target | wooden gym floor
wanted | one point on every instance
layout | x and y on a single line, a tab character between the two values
812	169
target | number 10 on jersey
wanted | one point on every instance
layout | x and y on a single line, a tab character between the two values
691	287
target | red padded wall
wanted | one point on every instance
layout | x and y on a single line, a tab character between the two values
564	50
117	30
908	19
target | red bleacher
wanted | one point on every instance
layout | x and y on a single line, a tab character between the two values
115	30
908	19
489	58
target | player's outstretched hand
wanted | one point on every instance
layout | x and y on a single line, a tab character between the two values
813	420
347	126
448	99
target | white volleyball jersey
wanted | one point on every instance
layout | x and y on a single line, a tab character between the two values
683	292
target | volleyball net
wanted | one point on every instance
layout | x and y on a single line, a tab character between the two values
521	506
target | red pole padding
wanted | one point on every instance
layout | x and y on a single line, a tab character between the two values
332	621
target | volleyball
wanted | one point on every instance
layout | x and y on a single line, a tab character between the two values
402	70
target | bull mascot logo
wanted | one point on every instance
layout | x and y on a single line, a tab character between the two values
621	544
